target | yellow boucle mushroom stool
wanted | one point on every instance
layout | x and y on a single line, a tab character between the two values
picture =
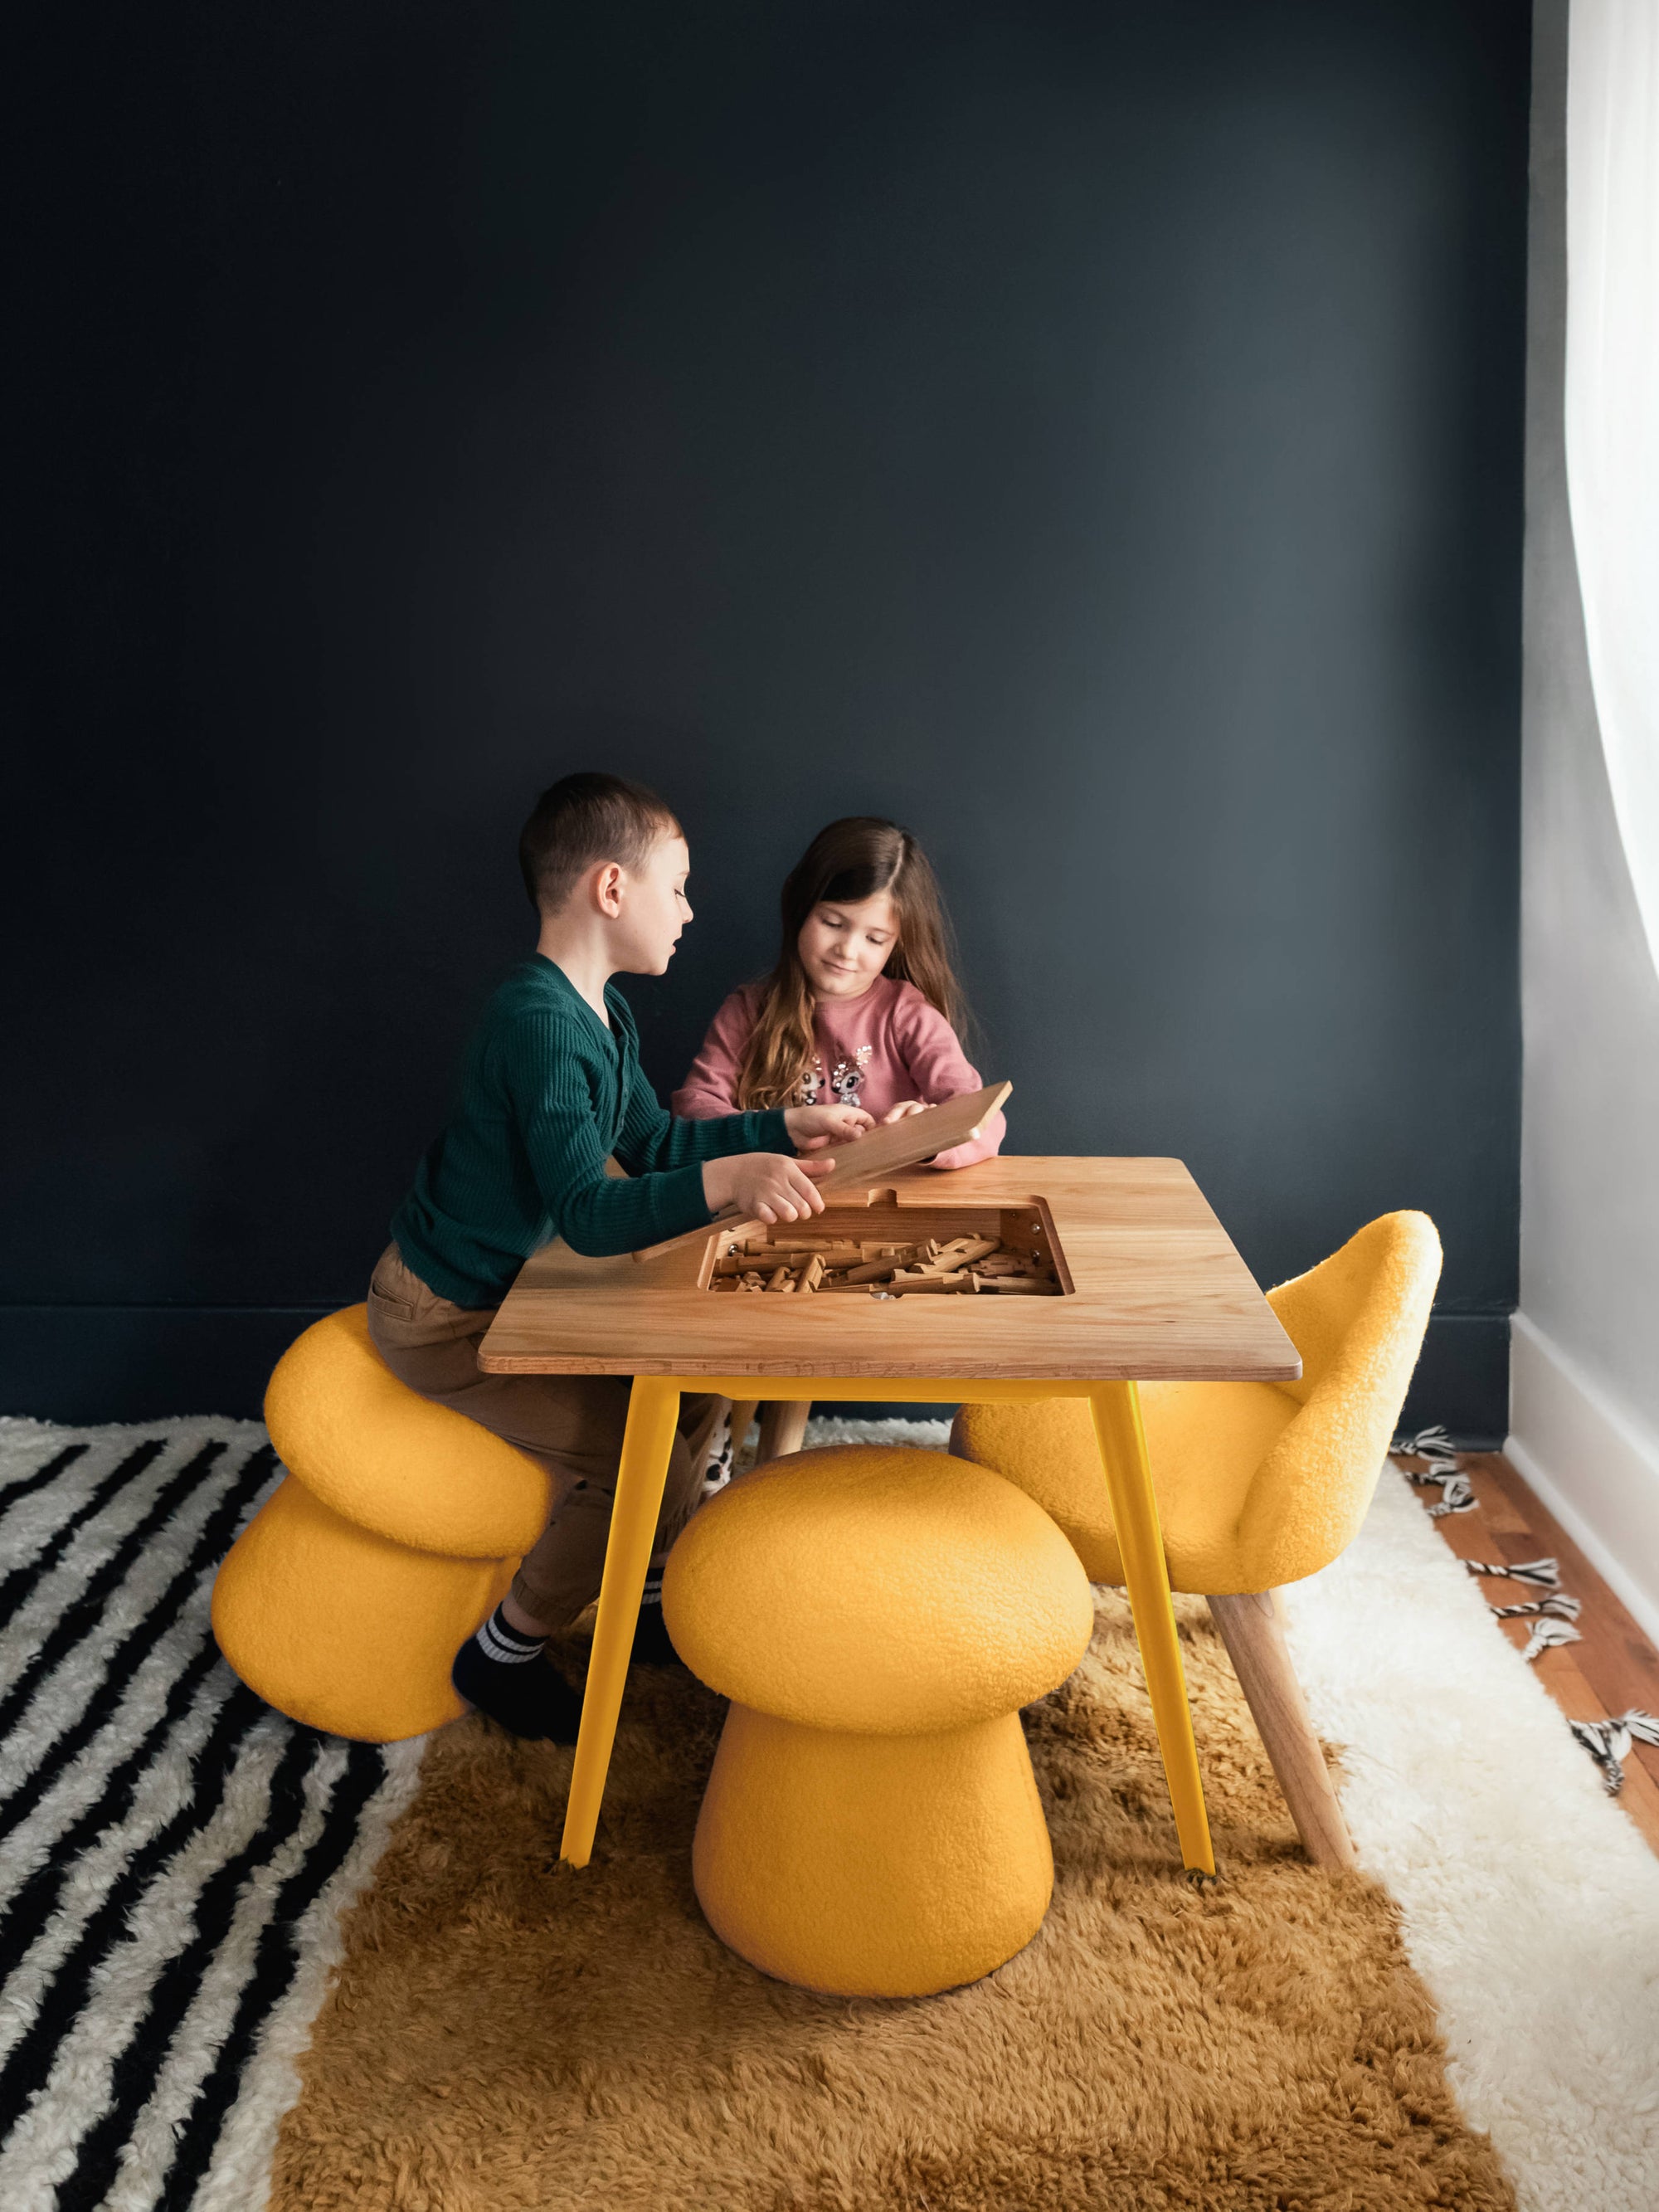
877	1615
344	1601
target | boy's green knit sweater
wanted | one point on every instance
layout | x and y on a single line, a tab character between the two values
547	1092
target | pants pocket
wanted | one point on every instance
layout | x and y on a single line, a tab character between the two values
388	1308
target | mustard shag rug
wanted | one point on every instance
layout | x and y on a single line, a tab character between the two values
506	2035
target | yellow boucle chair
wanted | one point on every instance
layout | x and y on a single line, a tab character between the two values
877	1615
344	1601
1258	1484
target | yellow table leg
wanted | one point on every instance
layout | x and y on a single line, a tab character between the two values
653	1410
1122	1442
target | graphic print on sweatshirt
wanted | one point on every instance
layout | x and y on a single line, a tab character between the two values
846	1081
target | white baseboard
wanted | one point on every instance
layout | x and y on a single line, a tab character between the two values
1589	1464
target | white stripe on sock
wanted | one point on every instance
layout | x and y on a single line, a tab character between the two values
495	1645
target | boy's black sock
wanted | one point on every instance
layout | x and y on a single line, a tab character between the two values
502	1672
651	1647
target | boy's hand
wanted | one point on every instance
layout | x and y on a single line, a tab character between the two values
768	1185
813	1126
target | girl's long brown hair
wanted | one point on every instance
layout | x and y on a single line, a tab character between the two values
851	861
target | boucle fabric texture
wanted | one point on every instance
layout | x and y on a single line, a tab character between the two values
385	1459
880	1589
507	2032
1259	1484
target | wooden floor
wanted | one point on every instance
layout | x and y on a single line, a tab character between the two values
1613	1669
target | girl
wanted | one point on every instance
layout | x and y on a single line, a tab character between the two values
861	1008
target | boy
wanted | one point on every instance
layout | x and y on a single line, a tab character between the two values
551	1084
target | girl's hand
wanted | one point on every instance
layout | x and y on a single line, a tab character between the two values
812	1127
905	1108
768	1185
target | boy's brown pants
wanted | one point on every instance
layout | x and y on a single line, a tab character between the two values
572	1424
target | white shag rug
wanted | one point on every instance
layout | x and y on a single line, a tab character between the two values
1530	1901
1529	1904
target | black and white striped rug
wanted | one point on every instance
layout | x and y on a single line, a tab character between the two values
174	1855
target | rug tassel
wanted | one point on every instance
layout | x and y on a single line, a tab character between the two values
1438	1470
1558	1607
1608	1743
1547	1635
1456	1495
1541	1574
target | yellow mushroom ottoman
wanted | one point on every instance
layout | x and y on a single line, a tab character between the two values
877	1615
345	1599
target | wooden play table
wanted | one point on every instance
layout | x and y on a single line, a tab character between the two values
1153	1291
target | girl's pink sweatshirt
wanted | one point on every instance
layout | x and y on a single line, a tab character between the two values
873	1051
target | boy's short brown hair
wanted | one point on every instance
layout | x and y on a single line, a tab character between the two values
584	818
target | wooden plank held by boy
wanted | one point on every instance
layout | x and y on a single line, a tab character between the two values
860	1165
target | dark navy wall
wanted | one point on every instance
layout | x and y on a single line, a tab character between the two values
1087	433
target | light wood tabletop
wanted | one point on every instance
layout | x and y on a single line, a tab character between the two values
1154	1290
1150	1288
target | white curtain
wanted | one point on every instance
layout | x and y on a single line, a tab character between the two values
1613	399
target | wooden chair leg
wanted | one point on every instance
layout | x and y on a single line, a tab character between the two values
782	1427
743	1412
1255	1638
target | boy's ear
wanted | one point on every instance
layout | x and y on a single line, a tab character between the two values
607	887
